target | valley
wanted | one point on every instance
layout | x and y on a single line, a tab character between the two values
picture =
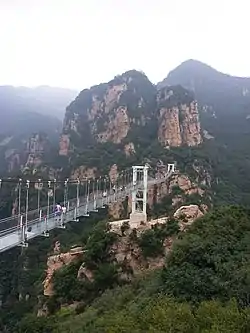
180	270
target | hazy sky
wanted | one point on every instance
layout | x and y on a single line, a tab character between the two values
78	43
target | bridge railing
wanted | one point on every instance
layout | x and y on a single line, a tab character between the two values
95	200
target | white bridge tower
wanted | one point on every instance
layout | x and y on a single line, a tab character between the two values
139	194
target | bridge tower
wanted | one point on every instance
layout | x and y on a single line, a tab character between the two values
139	195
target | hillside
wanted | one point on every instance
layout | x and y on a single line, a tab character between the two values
199	288
224	99
224	108
126	121
26	112
186	268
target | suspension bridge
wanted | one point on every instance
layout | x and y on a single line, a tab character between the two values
89	195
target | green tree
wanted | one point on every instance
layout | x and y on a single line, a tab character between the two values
211	259
150	244
34	324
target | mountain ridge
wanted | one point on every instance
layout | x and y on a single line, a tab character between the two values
106	129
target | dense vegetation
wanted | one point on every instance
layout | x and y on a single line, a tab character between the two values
24	270
204	285
202	288
223	102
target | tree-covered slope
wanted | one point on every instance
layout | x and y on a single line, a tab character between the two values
224	100
128	121
204	287
224	108
25	112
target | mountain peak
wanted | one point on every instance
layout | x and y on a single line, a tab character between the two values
194	68
195	63
192	73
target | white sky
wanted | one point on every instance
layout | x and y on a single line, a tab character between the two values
78	43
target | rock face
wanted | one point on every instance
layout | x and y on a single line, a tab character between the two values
177	188
129	149
113	173
126	122
83	172
36	148
178	119
185	184
64	145
116	127
106	113
127	116
56	262
187	214
127	252
28	154
169	133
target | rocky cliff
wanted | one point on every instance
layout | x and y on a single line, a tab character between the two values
178	118
56	262
125	251
24	154
223	102
125	119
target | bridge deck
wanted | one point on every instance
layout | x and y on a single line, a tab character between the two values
11	236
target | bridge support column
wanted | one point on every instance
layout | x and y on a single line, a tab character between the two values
139	195
23	235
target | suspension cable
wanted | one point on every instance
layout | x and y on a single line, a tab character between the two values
38	197
27	205
48	207
54	194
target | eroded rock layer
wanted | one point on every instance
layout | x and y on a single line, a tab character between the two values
129	114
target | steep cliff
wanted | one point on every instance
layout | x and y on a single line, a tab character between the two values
24	154
223	102
109	112
178	118
126	249
56	262
128	120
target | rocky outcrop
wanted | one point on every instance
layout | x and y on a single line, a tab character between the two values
36	148
100	117
84	172
115	210
187	215
113	94
179	125
177	188
128	115
127	252
169	132
185	184
27	154
64	145
116	127
108	112
207	135
42	307
113	173
56	262
13	159
190	126
85	274
178	118
129	149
